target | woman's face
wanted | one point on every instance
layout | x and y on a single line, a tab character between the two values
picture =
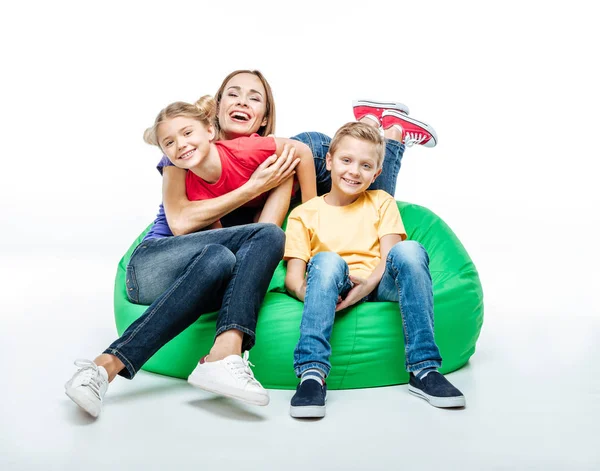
243	106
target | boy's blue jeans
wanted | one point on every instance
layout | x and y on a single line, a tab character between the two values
185	276
319	145
406	280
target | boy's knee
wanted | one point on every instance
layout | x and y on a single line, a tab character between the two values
409	252
328	266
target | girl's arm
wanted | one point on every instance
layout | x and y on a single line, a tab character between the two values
364	287
185	216
277	204
307	178
295	282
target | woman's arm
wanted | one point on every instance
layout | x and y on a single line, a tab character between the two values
307	177
185	216
295	282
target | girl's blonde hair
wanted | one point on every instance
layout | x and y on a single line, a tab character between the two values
204	110
268	128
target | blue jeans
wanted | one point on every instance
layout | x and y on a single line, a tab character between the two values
319	145
406	280
182	277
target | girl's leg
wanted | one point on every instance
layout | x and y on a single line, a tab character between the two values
319	145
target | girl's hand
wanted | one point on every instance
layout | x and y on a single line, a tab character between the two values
360	290
274	170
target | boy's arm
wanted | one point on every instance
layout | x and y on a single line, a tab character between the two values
295	282
364	287
307	177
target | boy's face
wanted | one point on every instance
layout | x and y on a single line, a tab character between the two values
353	167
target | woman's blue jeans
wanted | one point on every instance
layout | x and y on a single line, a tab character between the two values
185	276
319	145
406	280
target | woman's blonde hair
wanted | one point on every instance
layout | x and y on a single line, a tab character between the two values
204	110
268	128
362	132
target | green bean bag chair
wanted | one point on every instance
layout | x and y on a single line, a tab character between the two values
367	340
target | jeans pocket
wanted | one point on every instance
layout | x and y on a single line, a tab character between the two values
133	293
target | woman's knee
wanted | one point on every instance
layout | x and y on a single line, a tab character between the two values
217	260
272	234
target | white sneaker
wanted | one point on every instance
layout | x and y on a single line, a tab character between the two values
231	377
88	386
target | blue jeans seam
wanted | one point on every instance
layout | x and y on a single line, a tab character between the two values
313	364
128	366
227	327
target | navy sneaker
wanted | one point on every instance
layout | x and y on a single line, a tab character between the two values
309	400
436	390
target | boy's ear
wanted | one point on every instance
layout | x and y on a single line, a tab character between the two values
328	161
377	173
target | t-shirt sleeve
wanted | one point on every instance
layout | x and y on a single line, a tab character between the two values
164	162
390	221
297	240
251	151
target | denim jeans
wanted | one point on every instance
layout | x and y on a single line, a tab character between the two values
406	280
319	145
182	277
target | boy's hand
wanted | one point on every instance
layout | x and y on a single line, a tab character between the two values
360	290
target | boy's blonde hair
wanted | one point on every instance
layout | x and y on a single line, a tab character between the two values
204	110
361	131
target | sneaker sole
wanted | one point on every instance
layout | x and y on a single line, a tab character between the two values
442	402
389	105
215	388
306	412
83	401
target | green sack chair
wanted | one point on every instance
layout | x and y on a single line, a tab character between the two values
367	341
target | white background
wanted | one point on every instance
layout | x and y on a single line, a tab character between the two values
510	87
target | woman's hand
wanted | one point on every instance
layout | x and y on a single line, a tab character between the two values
274	170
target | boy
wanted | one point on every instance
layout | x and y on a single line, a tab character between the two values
349	243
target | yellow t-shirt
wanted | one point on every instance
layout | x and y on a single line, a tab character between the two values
352	231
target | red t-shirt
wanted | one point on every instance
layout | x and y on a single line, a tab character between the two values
239	159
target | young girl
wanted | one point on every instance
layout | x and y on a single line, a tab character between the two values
186	133
180	278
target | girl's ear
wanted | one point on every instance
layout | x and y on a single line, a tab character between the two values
263	122
328	161
212	131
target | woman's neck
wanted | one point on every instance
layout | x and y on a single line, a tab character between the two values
209	168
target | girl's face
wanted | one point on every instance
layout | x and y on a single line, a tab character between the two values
243	106
185	141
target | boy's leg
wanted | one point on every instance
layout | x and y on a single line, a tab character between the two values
407	281
327	278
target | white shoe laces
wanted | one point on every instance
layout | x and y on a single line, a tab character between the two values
89	375
242	370
413	138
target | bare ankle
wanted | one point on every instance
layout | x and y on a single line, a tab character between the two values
111	364
370	121
394	132
226	343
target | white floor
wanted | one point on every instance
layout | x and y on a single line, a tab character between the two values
532	388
